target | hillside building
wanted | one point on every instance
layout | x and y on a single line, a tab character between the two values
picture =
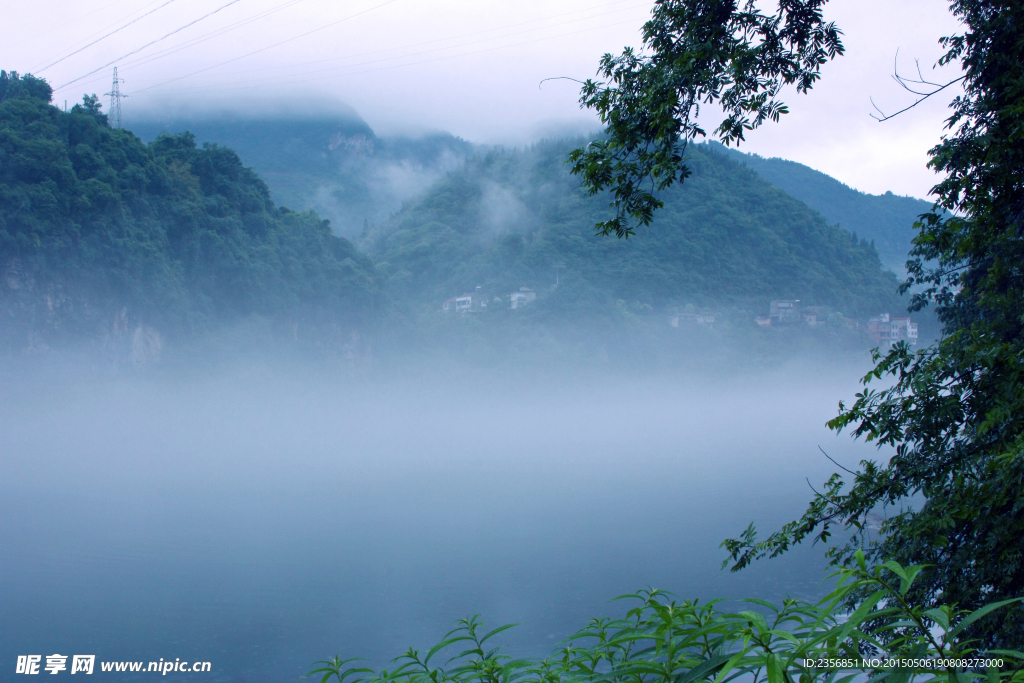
467	303
524	296
785	311
886	331
691	319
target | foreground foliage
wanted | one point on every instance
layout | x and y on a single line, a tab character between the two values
954	413
662	640
697	52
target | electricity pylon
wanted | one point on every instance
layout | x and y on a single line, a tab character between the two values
115	101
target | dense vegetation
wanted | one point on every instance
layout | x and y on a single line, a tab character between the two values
727	240
953	412
886	220
660	640
339	167
100	233
333	164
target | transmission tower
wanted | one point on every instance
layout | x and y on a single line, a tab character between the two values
114	117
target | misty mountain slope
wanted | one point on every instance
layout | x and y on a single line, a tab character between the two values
725	238
100	233
334	165
886	219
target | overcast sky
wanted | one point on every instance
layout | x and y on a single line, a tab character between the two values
470	68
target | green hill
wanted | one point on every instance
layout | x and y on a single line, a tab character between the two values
725	239
100	232
337	166
887	219
332	164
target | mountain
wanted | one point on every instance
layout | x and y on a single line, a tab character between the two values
101	233
332	164
725	238
887	219
337	166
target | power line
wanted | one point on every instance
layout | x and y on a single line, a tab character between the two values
207	36
177	30
292	75
106	36
291	78
471	34
36	36
264	49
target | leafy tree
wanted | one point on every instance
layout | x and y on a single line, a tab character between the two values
702	52
13	86
96	226
954	412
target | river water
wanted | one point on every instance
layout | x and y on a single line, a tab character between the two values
261	521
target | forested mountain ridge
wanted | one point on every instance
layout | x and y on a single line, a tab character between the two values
887	219
99	232
332	163
725	238
336	165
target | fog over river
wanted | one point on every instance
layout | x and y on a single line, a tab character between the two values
264	520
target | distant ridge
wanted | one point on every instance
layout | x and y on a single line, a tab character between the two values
333	164
725	238
885	219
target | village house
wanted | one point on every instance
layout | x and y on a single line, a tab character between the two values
785	311
691	319
886	331
524	296
465	304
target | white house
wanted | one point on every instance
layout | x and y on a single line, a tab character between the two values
524	296
467	303
785	311
887	331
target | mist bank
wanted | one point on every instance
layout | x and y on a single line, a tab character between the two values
259	516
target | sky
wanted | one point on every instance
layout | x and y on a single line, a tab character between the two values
474	69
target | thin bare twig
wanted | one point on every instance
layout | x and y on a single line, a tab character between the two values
560	78
905	83
833	460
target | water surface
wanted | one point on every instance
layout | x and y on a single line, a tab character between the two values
262	521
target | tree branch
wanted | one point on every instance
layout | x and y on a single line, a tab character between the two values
905	84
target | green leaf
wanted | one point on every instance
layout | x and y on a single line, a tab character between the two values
940	616
861	613
730	665
979	613
497	631
702	670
